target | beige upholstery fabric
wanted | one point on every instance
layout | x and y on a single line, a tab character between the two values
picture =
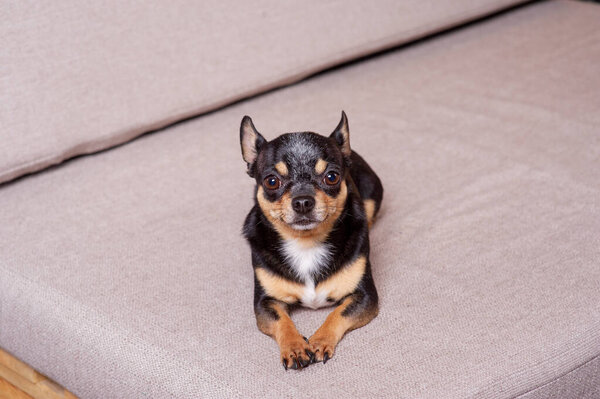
124	274
580	383
77	77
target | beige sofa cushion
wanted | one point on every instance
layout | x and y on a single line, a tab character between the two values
77	77
124	274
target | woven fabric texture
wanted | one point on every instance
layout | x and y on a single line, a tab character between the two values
78	77
124	273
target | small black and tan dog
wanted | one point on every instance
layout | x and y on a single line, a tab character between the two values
315	200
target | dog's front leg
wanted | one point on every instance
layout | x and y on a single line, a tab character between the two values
354	311
273	319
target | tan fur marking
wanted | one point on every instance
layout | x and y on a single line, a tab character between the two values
273	327
281	168
283	331
326	338
336	325
344	281
265	324
369	210
320	166
276	211
278	287
285	326
364	318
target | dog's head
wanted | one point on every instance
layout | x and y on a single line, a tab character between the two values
300	177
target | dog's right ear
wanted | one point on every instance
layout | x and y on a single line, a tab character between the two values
251	142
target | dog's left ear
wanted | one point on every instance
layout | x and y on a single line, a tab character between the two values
251	142
341	135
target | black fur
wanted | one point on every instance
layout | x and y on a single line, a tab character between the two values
349	237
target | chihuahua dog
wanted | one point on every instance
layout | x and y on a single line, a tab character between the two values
315	200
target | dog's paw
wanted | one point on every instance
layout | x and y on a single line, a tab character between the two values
323	346
296	352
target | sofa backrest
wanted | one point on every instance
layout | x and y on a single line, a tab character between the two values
78	77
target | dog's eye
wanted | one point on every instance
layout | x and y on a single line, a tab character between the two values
332	178
272	182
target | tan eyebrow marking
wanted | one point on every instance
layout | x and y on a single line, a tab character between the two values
281	168
320	166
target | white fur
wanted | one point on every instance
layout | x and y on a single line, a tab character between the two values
307	261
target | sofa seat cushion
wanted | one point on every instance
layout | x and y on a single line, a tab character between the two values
81	77
124	273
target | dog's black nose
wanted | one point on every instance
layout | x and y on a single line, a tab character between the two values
303	204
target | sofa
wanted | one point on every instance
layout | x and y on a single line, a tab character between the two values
123	271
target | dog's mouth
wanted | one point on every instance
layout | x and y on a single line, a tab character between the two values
304	223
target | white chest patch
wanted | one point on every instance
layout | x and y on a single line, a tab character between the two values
307	261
